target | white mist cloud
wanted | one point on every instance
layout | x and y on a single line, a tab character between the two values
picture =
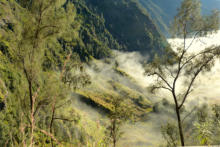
208	84
207	90
148	133
130	62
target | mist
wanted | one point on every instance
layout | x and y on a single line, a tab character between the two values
207	86
148	132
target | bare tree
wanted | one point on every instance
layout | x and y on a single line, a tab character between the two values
171	67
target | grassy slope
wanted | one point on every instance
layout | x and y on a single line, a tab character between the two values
104	88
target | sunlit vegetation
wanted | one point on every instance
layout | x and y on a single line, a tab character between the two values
61	83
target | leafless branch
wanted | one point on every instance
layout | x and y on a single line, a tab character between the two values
193	80
162	78
63	119
193	39
161	87
198	54
189	114
169	70
61	105
50	135
32	117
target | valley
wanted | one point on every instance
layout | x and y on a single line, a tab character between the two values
106	73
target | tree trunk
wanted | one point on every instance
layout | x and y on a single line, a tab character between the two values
30	93
29	80
51	122
114	132
32	122
180	126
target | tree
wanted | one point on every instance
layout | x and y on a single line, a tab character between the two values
33	25
170	133
172	67
203	126
43	23
73	76
207	125
40	36
119	115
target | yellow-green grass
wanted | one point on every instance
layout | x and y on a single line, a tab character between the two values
102	94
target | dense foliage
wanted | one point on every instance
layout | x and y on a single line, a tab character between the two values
129	25
57	66
42	46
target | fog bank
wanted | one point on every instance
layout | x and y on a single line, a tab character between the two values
147	133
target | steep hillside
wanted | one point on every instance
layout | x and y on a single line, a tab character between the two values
129	25
94	39
90	39
163	12
109	81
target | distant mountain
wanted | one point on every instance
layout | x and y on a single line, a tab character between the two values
129	24
163	11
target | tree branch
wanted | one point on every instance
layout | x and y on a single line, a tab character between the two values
162	78
161	87
193	39
189	114
63	119
200	53
50	135
193	80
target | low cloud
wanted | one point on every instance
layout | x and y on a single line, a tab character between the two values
148	133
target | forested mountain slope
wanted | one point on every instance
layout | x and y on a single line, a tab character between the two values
68	76
129	25
46	50
94	39
94	29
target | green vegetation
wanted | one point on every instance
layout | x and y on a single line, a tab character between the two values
35	89
130	25
61	85
207	127
42	46
103	90
162	12
121	112
204	127
94	39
